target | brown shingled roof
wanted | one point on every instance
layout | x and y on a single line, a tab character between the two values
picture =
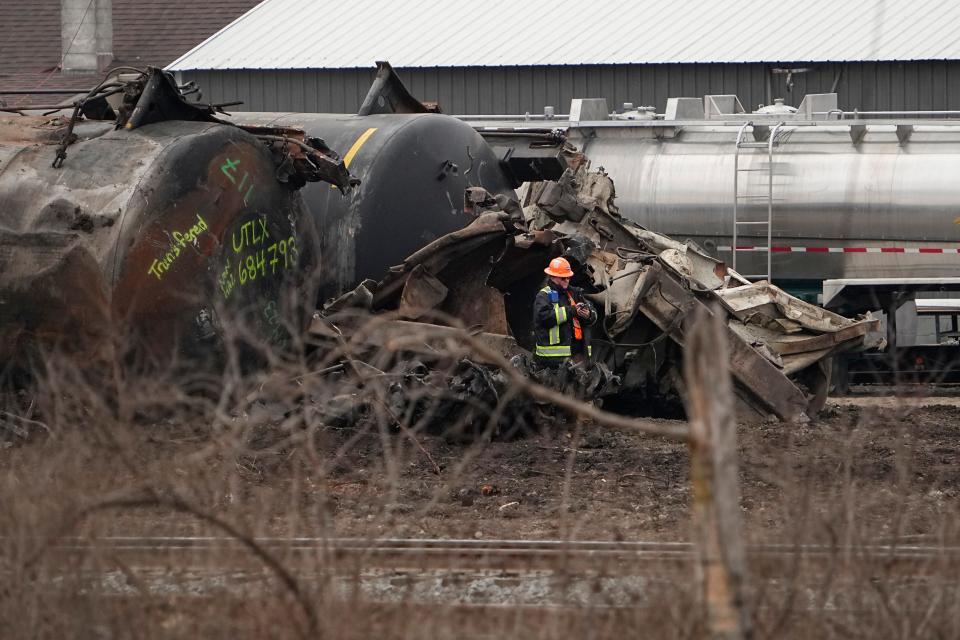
159	32
145	32
29	36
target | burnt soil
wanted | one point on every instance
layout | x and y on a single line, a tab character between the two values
895	472
882	472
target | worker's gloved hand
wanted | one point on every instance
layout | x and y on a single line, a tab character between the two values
583	310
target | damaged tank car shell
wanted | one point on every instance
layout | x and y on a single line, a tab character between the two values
413	170
413	164
146	233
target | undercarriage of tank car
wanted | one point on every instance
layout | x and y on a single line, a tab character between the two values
646	287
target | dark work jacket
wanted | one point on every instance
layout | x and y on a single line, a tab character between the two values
553	323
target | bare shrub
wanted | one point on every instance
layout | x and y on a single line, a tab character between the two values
136	505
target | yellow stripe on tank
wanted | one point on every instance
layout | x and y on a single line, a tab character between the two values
356	146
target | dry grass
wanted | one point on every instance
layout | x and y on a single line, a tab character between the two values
290	452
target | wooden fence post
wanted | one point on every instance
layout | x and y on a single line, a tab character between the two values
720	566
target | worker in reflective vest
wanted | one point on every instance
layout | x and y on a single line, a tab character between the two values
561	317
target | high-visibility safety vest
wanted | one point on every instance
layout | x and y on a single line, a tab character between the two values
557	327
577	329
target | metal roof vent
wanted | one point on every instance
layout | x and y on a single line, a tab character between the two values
778	106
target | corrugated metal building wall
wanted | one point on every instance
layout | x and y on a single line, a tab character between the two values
923	85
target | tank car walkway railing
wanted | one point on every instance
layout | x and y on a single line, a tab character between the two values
739	196
856	114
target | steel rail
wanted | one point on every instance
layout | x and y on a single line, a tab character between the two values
414	546
467	574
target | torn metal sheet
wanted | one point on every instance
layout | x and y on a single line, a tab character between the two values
388	94
421	293
646	287
763	303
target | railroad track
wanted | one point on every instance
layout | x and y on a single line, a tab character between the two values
468	572
616	556
471	546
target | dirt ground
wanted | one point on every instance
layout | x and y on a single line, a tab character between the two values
869	470
896	465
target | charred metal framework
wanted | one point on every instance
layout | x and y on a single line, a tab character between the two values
647	287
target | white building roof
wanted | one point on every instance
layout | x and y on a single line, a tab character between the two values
310	34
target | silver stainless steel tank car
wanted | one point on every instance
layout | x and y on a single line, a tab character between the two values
848	195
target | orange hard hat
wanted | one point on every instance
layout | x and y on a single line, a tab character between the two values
560	268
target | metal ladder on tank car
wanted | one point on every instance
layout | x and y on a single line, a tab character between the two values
769	144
